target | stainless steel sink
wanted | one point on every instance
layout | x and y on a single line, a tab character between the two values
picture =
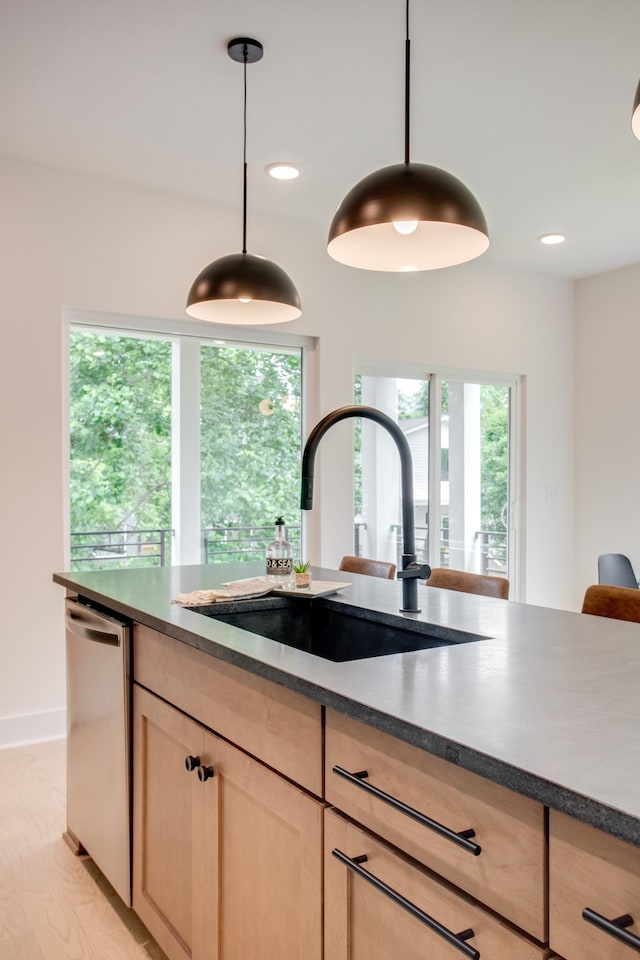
316	626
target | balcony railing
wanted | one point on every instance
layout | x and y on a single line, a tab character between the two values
492	543
493	550
235	544
101	549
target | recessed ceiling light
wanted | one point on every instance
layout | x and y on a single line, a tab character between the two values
552	238
283	171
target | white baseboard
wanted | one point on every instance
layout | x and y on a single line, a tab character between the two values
32	728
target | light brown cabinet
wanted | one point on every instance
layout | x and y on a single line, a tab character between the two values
170	849
486	839
228	856
593	872
278	726
380	904
234	865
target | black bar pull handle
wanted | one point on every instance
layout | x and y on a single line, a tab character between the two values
461	839
457	940
615	928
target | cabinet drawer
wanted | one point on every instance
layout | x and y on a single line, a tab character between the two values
363	920
276	725
510	872
590	869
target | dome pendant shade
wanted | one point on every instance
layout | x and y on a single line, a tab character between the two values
635	116
408	216
451	227
243	288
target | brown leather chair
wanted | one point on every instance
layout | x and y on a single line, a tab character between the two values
469	582
372	568
621	603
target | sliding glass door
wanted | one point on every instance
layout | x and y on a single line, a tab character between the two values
474	487
460	433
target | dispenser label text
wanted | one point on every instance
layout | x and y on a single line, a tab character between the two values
280	567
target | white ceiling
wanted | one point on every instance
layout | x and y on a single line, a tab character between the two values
528	103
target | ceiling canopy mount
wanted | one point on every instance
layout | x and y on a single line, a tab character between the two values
245	50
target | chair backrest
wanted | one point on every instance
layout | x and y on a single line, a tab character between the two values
464	582
372	568
620	603
616	570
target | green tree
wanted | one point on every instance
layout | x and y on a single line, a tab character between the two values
494	425
250	436
120	432
412	406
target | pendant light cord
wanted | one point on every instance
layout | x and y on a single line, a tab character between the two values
407	86
244	158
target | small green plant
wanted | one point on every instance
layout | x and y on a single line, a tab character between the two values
301	567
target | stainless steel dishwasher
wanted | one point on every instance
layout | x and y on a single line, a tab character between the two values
98	737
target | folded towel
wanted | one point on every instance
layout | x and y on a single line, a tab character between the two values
233	590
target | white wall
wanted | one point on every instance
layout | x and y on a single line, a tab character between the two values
86	243
607	403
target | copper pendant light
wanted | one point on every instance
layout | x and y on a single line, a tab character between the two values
243	288
409	216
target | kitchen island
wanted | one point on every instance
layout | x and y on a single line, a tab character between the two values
546	705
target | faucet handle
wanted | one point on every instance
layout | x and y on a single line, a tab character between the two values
415	571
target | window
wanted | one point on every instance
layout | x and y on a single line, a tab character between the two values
463	504
474	495
182	449
250	441
120	450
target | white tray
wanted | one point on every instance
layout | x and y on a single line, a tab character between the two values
317	588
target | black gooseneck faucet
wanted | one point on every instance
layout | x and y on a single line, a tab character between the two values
411	571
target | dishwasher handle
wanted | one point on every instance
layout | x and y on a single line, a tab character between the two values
78	625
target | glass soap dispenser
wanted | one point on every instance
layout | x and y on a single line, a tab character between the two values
280	557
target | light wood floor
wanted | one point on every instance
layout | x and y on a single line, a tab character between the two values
54	905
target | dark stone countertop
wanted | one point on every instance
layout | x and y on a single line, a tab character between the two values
548	704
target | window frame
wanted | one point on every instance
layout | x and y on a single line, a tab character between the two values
184	549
